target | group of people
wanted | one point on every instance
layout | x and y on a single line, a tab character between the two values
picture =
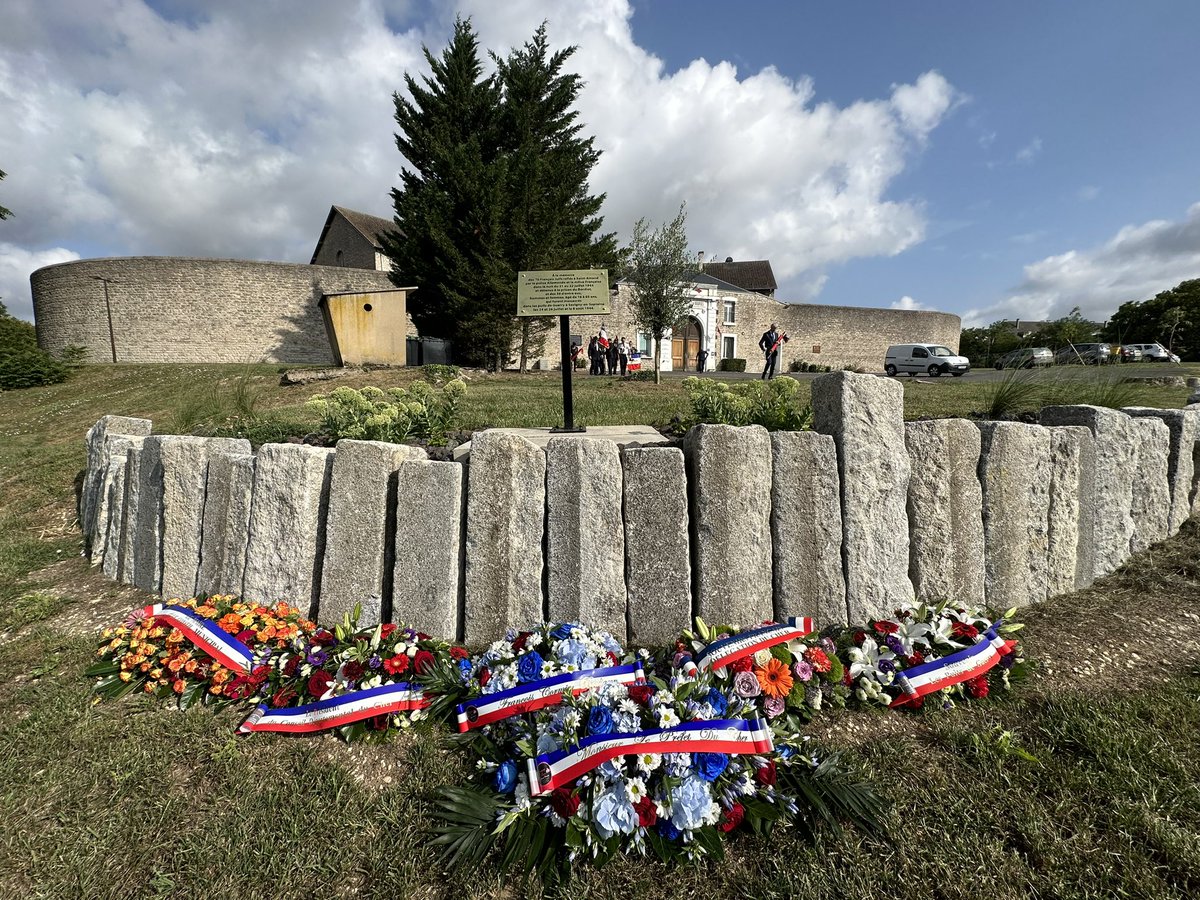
607	357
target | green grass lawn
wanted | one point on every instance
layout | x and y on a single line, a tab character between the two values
1083	783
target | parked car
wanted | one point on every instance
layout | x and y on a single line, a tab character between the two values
924	359
1155	353
1128	353
1025	358
1088	354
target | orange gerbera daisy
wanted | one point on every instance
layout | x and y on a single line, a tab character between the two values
774	678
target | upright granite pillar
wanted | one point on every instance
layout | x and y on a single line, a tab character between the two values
1184	426
658	566
1116	459
1151	485
114	457
148	531
865	416
127	560
427	579
185	476
585	537
506	509
358	542
945	519
1072	509
729	473
226	528
1014	469
111	559
97	460
806	527
287	524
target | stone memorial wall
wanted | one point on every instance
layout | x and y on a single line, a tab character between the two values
736	524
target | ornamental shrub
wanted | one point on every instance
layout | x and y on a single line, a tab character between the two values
436	373
771	404
731	365
22	363
420	413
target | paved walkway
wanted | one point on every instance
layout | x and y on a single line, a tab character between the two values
622	434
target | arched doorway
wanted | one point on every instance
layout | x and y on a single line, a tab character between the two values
685	344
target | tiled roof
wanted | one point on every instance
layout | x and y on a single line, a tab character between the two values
369	226
750	274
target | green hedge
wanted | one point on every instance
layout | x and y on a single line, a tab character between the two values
731	365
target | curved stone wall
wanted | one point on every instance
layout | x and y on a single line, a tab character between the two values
172	309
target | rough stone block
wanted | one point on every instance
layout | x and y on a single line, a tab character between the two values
865	416
226	522
585	537
945	510
126	560
358	542
1184	425
427	578
114	458
147	537
729	474
506	508
1069	550
806	527
1014	470
184	477
287	524
97	460
657	547
1116	460
110	561
1151	485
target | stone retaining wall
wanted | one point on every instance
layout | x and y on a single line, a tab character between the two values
739	526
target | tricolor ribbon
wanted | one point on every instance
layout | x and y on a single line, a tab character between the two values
721	653
206	635
525	698
335	711
552	770
956	668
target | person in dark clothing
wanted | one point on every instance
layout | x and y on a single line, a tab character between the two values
594	355
623	354
769	344
611	354
701	360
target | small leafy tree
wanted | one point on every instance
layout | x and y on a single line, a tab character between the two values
1171	320
4	213
658	268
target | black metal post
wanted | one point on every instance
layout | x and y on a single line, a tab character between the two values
112	337
568	374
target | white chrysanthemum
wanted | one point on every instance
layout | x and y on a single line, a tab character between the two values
635	788
663	698
628	707
667	718
648	762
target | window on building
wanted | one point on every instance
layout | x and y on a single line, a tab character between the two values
728	347
643	343
339	257
730	312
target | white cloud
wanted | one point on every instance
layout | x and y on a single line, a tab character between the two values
15	265
907	302
228	129
1030	151
1088	192
1137	263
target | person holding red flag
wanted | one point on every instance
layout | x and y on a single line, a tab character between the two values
769	344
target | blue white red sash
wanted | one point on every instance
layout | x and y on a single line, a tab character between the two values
956	668
719	654
335	711
551	770
484	710
206	635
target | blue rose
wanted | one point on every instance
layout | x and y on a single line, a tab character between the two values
529	667
709	766
464	669
561	632
717	701
667	830
505	779
600	720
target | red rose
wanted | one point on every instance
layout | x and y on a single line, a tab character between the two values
641	693
978	687
423	662
290	667
766	775
742	664
324	638
917	658
397	665
564	802
246	635
284	697
386	630
647	812
963	630
885	627
519	643
859	637
459	653
485	675
732	818
318	682
353	670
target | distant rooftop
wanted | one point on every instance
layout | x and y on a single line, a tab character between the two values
750	274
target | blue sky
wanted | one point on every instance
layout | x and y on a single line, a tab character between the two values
992	160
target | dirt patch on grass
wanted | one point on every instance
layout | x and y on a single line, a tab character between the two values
89	601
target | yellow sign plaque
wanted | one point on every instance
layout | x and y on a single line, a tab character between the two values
567	292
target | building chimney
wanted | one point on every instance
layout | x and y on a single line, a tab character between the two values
700	259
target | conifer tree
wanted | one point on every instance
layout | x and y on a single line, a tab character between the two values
4	213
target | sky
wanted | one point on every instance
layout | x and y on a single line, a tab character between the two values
993	160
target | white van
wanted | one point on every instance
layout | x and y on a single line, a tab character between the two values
1155	353
924	359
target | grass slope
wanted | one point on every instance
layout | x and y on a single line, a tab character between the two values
1084	783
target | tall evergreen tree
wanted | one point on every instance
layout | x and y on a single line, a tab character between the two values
4	213
498	185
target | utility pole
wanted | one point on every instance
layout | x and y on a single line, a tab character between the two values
112	337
